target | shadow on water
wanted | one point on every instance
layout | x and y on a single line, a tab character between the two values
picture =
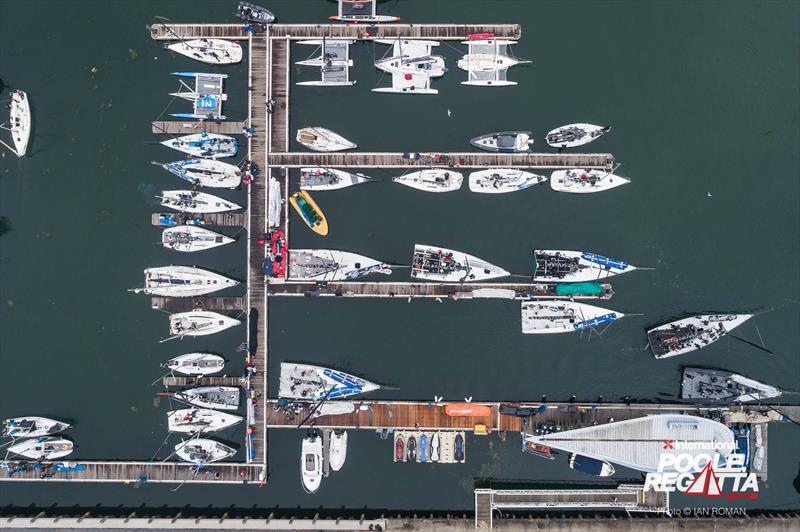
5	225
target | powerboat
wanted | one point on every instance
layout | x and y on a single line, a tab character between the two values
203	451
549	317
304	381
487	62
206	172
196	202
318	178
211	51
46	448
211	145
253	13
585	181
689	334
310	212
590	466
502	180
195	364
182	281
338	449
190	238
321	139
573	135
332	56
504	141
311	462
200	420
332	265
20	116
432	180
558	265
215	397
723	387
32	427
411	65
199	323
431	263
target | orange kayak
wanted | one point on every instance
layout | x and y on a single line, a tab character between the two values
467	410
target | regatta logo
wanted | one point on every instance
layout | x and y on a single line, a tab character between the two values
717	477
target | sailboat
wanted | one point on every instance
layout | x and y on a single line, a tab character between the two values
558	265
206	96
332	265
338	449
304	381
32	427
253	13
199	323
504	141
411	65
212	145
206	172
318	178
197	202
211	51
723	387
487	62
48	448
190	238
194	420
311	462
502	180
203	451
20	116
215	397
573	135
689	334
432	180
549	317
310	212
182	281
324	140
333	61
585	181
356	11
195	364
433	263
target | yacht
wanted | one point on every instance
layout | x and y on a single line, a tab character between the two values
199	323
502	180
550	317
190	238
324	140
689	334
211	51
432	180
197	202
182	281
585	181
431	263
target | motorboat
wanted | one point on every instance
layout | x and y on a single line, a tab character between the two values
549	317
321	139
206	172
311	462
504	141
723	387
203	451
338	449
190	238
20	117
182	281
196	202
199	323
310	212
590	466
411	65
318	178
211	145
195	364
332	265
215	397
45	448
502	180
304	381
431	263
211	51
432	180
253	13
585	181
361	11
573	135
32	427
467	410
332	57
689	334
558	265
200	420
487	62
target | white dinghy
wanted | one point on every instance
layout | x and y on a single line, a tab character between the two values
311	462
199	323
195	364
573	135
549	317
20	116
433	263
332	265
211	51
585	181
432	180
203	451
559	265
32	427
215	397
197	202
182	281
338	449
318	178
191	238
206	172
304	381
502	180
42	448
321	139
199	420
689	334
212	145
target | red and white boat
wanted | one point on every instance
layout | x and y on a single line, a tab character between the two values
278	250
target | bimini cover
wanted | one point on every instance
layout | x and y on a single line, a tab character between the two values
579	289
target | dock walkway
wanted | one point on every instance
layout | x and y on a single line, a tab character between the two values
222	219
186	304
174	127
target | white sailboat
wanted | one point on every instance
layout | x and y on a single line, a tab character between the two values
199	420
333	59
321	139
573	135
411	65
191	238
502	180
689	334
338	449
212	145
432	180
211	51
331	265
203	451
357	11
585	181
206	172
432	263
550	317
20	116
182	281
215	397
197	202
504	141
195	364
311	462
318	178
559	265
487	62
199	323
304	381
32	427
38	449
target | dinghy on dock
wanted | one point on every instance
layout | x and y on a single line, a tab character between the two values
195	202
214	397
585	181
432	180
714	386
304	381
212	145
211	51
502	180
20	117
182	281
504	141
318	178
689	334
195	364
323	140
573	135
550	317
433	263
191	238
199	323
563	266
332	265
203	451
199	420
311	462
32	427
206	172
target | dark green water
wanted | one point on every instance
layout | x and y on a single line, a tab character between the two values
703	98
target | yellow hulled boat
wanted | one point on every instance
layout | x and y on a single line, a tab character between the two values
310	212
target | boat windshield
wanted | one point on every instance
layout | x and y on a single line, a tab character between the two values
310	462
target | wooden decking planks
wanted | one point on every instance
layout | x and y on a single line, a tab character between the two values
187	127
550	161
174	32
279	92
185	382
223	219
185	304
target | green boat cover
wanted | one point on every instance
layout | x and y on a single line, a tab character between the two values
579	289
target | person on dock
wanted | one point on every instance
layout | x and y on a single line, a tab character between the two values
271	105
248	132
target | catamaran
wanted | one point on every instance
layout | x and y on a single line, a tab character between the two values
195	364
361	11
310	212
558	265
504	141
432	180
311	462
253	13
585	181
411	65
321	139
332	265
199	420
303	381
548	317
338	449
433	263
318	178
690	334
196	202
332	56
39	449
211	51
207	95
573	135
502	180
206	172
203	451
20	116
191	238
32	427
182	281
199	323
212	145
487	62
215	397
723	387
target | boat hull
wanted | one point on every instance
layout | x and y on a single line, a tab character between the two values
693	333
311	463
433	263
432	180
203	451
565	266
183	281
323	140
331	265
338	450
210	145
199	323
199	420
191	238
210	51
329	179
574	135
552	317
304	381
196	202
502	180
32	427
196	364
42	448
310	212
209	173
585	182
504	142
20	116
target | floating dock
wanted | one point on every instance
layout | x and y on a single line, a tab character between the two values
174	127
223	219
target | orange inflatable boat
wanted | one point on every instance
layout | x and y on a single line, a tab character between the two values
467	410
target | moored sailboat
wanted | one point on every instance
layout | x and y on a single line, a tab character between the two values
502	180
182	281
32	427
558	265
304	381
689	334
573	135
199	420
723	387
585	181
211	51
433	263
504	141
197	202
212	145
199	323
432	180
20	116
215	397
203	451
550	317
324	140
329	179
206	172
195	364
191	238
332	265
46	448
